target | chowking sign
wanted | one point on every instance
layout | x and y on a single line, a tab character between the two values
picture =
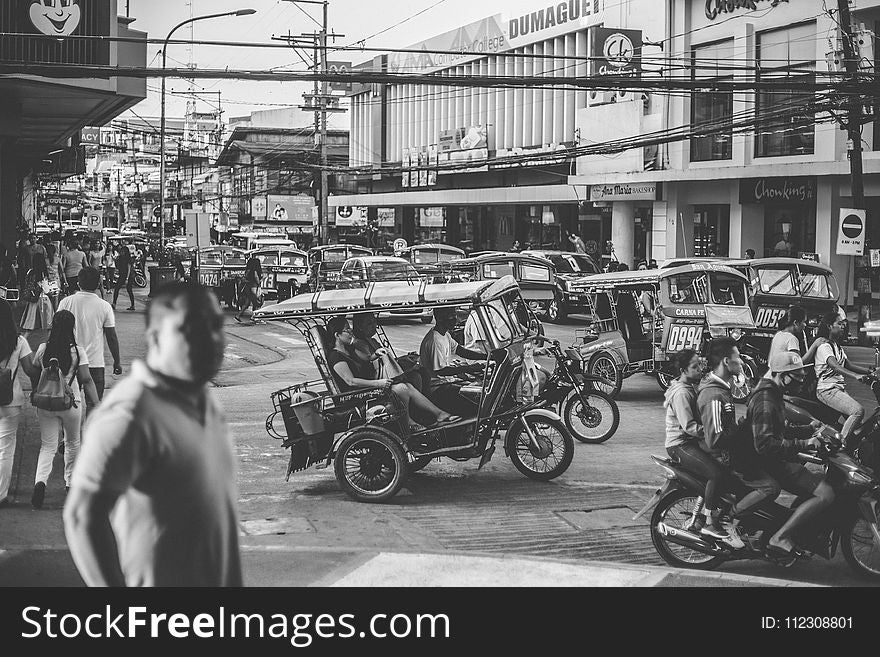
615	52
714	8
777	190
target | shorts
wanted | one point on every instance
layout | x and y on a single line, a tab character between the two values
794	477
448	397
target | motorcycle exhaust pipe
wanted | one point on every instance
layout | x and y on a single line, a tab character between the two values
686	539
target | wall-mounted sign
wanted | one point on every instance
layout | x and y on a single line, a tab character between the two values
386	217
717	8
851	232
777	190
875	257
290	209
347	215
90	136
56	18
624	192
339	67
615	52
462	139
431	217
64	201
258	207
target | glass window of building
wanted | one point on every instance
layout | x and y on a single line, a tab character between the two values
785	122
710	61
711	230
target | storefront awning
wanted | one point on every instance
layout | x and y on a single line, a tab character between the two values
492	196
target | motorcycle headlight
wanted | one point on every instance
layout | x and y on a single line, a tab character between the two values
736	333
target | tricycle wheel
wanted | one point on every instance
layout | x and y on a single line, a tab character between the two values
420	463
604	365
370	466
664	380
743	384
556	311
550	458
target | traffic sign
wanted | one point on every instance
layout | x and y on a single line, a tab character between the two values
157	212
95	220
851	232
399	245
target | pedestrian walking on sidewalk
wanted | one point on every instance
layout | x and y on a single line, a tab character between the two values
157	453
73	363
55	270
38	312
74	260
253	274
95	323
15	355
125	267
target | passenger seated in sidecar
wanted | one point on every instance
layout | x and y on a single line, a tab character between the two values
350	374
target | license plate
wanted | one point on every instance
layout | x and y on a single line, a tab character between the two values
684	336
210	278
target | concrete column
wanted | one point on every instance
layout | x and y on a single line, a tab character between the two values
537	98
623	230
569	104
528	100
679	223
558	94
9	202
519	103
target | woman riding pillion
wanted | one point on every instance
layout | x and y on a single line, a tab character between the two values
832	366
684	443
791	330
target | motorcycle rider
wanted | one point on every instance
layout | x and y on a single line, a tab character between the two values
684	441
718	414
791	331
831	367
772	442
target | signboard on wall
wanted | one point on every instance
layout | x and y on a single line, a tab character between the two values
431	217
615	52
624	192
343	68
777	190
56	18
347	215
851	232
386	217
258	207
290	209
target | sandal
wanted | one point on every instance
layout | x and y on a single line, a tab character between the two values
781	556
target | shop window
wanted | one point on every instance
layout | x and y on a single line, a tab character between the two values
789	229
712	108
711	230
784	120
776	281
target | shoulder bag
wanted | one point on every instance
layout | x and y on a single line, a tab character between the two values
53	392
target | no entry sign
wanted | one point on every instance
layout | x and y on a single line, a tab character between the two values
851	232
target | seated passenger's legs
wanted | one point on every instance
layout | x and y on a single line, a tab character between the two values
448	397
841	402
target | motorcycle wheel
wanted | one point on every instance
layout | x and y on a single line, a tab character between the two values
859	550
556	443
420	463
370	466
556	312
594	424
139	279
675	510
604	365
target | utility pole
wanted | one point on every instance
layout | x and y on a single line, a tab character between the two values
854	114
137	181
320	101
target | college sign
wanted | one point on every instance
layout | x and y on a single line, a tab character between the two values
777	190
36	19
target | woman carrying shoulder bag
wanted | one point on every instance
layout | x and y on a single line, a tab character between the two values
72	370
15	355
38	313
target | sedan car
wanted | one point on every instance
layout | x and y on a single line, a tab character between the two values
364	270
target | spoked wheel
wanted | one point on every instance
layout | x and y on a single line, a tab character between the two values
675	510
861	550
139	279
556	312
604	365
594	422
370	466
664	379
743	383
552	455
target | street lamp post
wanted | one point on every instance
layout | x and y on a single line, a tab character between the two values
238	12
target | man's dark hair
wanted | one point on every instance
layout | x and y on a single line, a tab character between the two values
89	278
200	303
719	349
794	314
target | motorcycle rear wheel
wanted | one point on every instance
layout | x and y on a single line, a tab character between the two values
595	424
675	510
859	549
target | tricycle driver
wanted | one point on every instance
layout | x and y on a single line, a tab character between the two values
436	358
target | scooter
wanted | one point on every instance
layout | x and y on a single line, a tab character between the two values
852	523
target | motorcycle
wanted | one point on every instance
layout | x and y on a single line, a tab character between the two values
852	523
590	415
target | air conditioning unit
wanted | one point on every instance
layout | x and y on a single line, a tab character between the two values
598	97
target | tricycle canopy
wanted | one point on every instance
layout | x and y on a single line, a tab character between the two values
387	297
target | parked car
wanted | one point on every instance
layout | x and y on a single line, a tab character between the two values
428	258
364	270
572	271
326	261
